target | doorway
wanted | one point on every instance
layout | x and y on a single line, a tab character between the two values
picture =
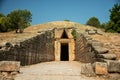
64	56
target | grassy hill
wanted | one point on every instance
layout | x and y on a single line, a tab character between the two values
110	40
32	30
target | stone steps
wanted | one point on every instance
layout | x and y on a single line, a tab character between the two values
105	62
107	56
101	53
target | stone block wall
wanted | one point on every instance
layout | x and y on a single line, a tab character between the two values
83	51
105	63
37	49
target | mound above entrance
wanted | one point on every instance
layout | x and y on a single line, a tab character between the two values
32	30
110	40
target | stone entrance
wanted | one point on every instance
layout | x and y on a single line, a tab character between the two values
64	44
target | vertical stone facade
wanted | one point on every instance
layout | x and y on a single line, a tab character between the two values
56	44
59	40
82	49
37	49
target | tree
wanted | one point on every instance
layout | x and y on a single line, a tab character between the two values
93	21
20	19
114	23
107	26
2	15
4	24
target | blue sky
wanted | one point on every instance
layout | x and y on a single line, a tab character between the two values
58	10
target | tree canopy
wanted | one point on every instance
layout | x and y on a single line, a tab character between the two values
113	25
4	23
15	20
2	15
93	21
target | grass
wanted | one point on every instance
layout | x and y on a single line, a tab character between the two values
112	38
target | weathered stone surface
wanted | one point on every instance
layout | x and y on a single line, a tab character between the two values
96	43
99	32
101	50
88	38
103	60
91	32
38	48
87	69
4	74
101	68
14	73
2	44
9	66
107	56
100	60
83	50
114	76
113	66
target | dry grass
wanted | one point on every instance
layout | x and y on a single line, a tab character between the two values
32	30
111	40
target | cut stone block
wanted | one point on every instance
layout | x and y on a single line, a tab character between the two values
87	69
91	32
101	50
100	60
100	32
10	66
89	38
114	76
113	66
97	43
106	60
101	68
107	56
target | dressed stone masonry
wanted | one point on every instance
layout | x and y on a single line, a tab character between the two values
105	62
36	49
9	66
62	44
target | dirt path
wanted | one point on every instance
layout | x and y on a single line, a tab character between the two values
53	71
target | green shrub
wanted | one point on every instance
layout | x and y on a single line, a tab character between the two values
74	34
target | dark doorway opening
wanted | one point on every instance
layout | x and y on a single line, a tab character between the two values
64	56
